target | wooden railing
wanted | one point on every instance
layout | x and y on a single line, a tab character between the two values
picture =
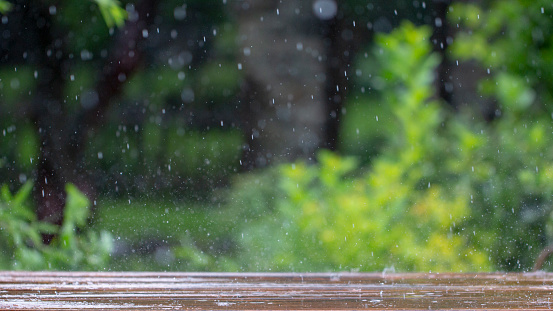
272	291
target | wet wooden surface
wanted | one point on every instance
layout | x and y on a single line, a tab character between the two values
262	291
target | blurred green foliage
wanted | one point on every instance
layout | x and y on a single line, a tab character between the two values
112	13
422	188
165	235
442	191
73	248
399	213
513	41
5	6
165	131
512	155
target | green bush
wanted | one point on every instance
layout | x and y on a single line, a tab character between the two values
72	248
407	211
512	41
446	191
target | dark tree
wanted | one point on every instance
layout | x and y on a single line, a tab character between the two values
295	78
62	130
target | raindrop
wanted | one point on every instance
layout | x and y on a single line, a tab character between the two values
438	22
542	10
180	13
71	77
52	10
181	75
187	95
86	55
100	155
299	46
239	66
325	9
247	51
377	118
278	12
14	84
145	33
89	99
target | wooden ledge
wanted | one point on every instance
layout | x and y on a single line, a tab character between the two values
273	291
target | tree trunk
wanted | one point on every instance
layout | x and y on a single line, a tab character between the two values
284	96
63	137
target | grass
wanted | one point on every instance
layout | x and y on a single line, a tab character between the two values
161	235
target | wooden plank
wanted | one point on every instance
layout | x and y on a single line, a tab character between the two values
273	291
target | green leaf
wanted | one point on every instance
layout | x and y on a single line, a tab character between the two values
46	227
76	207
5	6
514	92
28	259
6	194
23	193
113	14
16	203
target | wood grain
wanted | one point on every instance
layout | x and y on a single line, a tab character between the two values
273	291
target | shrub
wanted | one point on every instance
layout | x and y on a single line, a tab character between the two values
512	41
407	211
73	247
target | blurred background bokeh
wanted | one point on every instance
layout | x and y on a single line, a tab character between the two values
296	135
